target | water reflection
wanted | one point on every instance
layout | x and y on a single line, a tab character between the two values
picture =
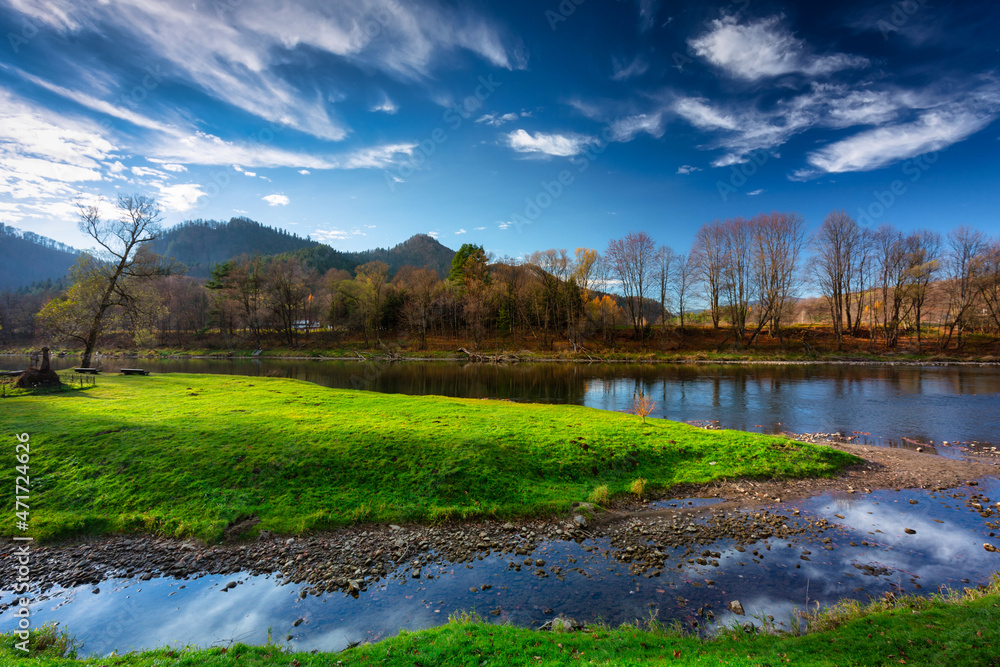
876	403
945	550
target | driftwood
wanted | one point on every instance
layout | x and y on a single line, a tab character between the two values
501	358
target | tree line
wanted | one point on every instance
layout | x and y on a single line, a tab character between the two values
744	276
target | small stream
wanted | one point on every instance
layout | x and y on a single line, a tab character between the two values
770	578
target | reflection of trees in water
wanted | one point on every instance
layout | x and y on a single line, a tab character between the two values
847	501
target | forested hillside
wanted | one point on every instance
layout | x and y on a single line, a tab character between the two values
201	244
27	258
420	251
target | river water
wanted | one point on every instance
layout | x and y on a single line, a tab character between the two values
878	403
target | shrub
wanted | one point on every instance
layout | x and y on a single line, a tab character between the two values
638	487
600	495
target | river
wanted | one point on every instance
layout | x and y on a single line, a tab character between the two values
880	404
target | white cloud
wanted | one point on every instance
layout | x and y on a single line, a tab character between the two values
699	113
434	234
304	172
459	232
276	200
386	106
647	14
496	120
625	70
934	130
480	229
144	172
754	193
764	48
48	159
328	235
626	129
376	157
180	197
175	168
251	174
558	145
504	225
686	169
236	51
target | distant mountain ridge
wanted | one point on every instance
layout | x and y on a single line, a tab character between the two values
201	244
420	251
27	258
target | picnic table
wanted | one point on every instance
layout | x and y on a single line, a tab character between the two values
134	371
91	371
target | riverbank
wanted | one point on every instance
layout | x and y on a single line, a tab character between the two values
526	357
953	628
353	558
223	456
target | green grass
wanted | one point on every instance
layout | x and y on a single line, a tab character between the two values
189	454
948	630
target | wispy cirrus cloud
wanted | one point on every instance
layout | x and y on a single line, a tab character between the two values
934	130
623	70
764	48
238	52
553	145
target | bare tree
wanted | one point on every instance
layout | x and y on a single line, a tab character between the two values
835	242
631	260
778	239
737	279
419	286
708	258
963	272
922	262
990	285
288	295
683	282
663	276
124	261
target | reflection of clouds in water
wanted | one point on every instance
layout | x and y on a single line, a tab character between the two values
939	553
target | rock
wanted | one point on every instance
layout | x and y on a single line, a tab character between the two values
416	573
508	526
736	607
580	521
298	622
561	624
96	591
989	547
393	526
146	576
909	531
495	612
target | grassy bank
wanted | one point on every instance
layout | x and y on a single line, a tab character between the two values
190	454
952	630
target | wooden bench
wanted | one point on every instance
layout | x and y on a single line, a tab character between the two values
91	371
134	371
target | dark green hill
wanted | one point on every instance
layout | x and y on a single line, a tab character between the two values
27	258
201	244
420	251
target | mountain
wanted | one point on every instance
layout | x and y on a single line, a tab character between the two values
420	251
27	258
201	244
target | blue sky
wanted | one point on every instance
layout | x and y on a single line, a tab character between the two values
520	125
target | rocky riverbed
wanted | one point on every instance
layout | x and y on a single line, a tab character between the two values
647	536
